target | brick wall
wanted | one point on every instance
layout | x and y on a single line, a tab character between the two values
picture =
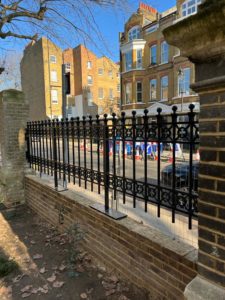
143	255
13	116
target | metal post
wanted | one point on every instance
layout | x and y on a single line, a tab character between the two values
64	106
106	162
55	156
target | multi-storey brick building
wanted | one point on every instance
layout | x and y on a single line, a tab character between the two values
94	82
41	77
153	72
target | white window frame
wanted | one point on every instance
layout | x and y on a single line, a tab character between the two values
90	98
152	63
134	33
161	88
139	92
90	80
53	75
52	59
182	82
163	53
139	59
128	66
89	65
110	73
54	96
102	93
68	66
128	101
100	72
150	90
189	7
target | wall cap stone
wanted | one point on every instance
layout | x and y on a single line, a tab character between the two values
200	37
202	289
214	84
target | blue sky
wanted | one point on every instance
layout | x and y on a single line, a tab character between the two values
109	21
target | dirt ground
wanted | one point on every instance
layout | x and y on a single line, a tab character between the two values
47	268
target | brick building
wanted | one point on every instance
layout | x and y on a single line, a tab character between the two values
94	81
41	78
153	72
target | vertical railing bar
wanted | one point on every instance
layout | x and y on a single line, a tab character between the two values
68	148
55	154
145	157
106	162
63	150
133	155
40	145
58	145
91	150
50	140
159	125
174	124
46	143
98	153
85	154
191	115
114	154
123	120
78	140
73	151
43	145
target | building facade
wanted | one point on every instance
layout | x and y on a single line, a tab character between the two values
95	82
41	78
153	72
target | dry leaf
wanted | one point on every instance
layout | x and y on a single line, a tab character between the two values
62	268
34	291
18	278
90	291
42	270
26	288
25	295
83	296
32	242
110	292
113	278
37	256
51	278
58	284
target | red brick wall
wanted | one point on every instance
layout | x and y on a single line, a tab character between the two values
143	255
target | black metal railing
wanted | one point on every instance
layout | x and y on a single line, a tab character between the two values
143	158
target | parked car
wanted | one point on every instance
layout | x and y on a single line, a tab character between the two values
181	175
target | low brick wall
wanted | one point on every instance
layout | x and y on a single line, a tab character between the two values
143	255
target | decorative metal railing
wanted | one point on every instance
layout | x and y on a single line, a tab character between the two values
141	158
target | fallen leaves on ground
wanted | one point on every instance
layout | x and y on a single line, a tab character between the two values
58	284
51	278
37	256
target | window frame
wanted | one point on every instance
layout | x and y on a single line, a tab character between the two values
54	60
150	90
53	101
134	33
89	62
151	56
161	88
56	76
188	9
126	85
139	63
102	96
111	94
140	92
130	62
88	77
90	99
100	74
186	92
163	52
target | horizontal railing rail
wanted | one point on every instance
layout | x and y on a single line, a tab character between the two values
149	159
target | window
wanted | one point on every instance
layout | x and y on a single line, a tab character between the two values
152	29
164	88
89	65
100	93
190	7
90	98
90	80
184	82
139	91
100	71
134	33
139	59
100	110
164	52
128	60
153	89
118	87
110	73
53	59
153	55
54	76
68	67
128	88
54	96
111	94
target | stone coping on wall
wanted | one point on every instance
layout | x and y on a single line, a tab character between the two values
144	255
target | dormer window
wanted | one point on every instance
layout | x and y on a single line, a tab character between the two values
190	7
134	33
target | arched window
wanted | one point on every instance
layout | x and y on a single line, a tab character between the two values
134	33
190	7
